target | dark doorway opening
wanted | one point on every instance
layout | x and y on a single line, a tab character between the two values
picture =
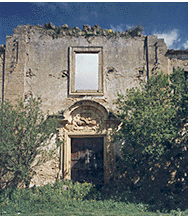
87	160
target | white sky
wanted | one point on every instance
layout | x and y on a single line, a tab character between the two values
86	72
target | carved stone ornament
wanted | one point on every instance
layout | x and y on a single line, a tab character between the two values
85	121
61	134
85	116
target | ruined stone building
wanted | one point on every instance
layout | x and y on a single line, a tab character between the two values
78	73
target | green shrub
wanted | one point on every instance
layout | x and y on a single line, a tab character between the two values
24	130
78	199
154	135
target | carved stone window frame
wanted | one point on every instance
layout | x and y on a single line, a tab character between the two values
85	49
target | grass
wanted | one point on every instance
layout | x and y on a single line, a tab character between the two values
78	200
87	208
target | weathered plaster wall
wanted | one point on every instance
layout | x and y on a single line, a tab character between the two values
47	67
37	62
157	60
15	62
37	65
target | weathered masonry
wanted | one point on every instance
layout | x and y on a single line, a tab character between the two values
78	73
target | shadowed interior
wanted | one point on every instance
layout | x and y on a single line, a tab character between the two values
87	160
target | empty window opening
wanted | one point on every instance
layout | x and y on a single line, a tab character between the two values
87	160
86	71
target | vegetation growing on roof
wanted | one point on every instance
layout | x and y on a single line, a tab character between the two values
88	31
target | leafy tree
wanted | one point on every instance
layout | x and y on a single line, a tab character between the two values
24	130
154	134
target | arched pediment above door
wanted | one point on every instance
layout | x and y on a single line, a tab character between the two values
85	116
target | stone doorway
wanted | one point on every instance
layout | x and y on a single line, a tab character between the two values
87	159
85	136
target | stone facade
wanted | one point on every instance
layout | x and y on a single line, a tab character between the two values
40	62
